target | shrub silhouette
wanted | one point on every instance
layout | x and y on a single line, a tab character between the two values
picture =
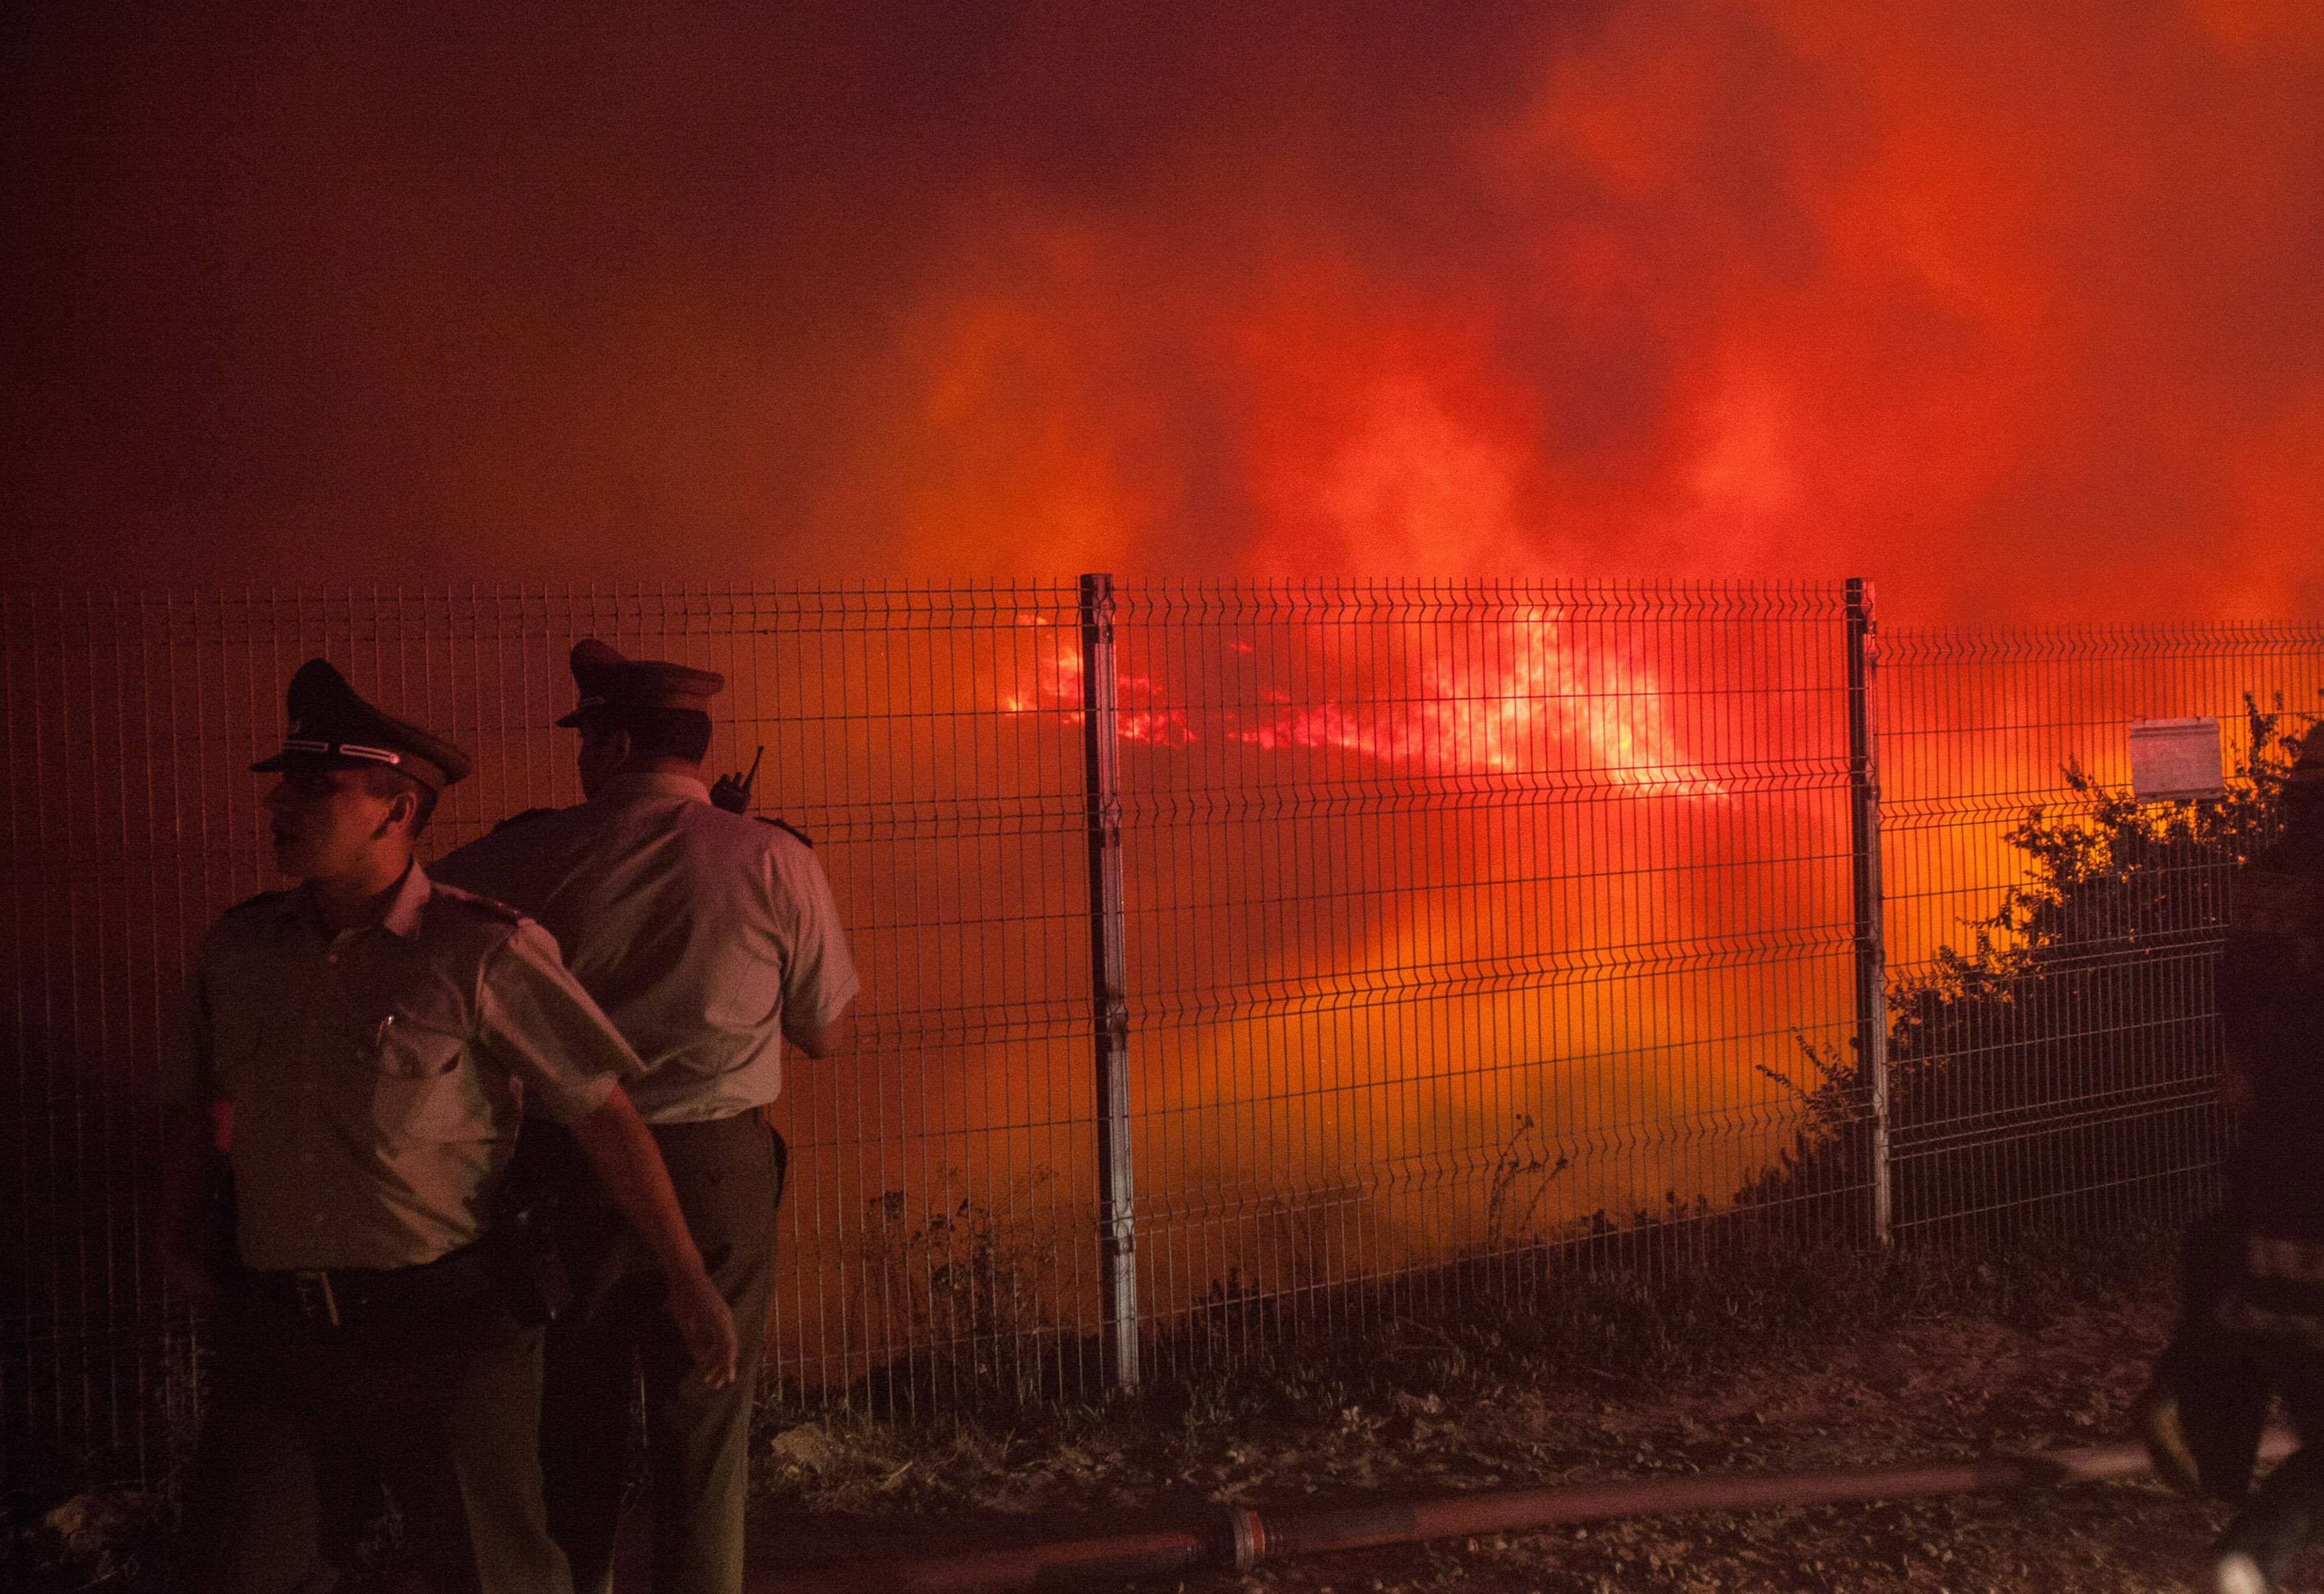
2064	1064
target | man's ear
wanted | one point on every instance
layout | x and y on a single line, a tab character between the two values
402	809
617	746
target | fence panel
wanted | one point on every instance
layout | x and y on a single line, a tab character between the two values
1469	922
2054	1037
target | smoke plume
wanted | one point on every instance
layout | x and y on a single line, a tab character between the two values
2013	307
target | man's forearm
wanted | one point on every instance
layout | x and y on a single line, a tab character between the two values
622	1151
820	1040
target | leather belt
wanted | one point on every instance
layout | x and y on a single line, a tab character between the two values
356	1297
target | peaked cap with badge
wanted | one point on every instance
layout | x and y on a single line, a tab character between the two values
609	679
332	726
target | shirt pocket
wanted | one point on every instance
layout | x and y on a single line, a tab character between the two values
412	1069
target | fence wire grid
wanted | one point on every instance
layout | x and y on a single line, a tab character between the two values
1242	962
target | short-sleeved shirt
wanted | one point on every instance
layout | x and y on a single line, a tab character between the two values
701	933
378	1075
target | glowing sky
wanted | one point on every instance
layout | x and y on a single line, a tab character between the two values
2016	308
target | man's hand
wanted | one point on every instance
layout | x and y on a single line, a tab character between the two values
707	1327
192	1169
621	1149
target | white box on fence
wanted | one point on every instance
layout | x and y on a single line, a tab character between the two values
2175	759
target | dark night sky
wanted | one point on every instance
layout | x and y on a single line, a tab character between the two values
2020	315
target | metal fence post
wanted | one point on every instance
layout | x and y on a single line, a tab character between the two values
1864	847
1117	1233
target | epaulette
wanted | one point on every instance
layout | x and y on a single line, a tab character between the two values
798	834
261	897
520	819
492	908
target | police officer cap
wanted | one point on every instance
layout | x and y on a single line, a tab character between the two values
332	726
609	680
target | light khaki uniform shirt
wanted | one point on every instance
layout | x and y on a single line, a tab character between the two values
698	931
376	1075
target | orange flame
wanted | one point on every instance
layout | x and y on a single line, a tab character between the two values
1529	703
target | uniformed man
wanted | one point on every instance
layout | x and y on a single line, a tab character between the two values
371	1036
711	940
2253	1321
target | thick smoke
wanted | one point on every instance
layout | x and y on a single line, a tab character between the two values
2013	307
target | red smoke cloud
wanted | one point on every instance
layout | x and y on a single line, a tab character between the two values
2015	308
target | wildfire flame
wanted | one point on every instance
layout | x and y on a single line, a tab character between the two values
1505	709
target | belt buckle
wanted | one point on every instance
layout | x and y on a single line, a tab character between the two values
317	1303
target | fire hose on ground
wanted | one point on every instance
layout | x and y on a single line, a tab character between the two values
1235	1539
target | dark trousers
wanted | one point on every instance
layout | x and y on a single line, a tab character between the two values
305	1421
2281	1518
729	1176
2224	1367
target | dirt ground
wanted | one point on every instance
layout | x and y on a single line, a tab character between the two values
1922	1365
1944	1389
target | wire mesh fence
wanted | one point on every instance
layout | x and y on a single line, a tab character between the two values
1242	962
1463	924
2054	1048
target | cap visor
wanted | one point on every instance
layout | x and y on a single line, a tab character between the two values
314	760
